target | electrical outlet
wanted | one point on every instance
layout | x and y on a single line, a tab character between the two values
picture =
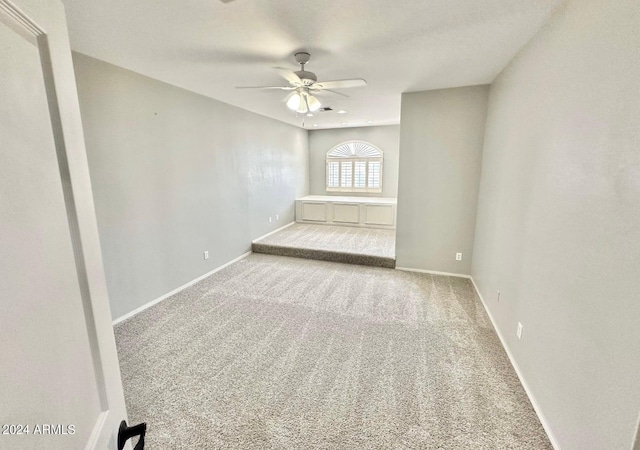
519	332
206	254
270	219
499	296
277	217
458	256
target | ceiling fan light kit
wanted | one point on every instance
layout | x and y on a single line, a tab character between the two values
302	102
305	84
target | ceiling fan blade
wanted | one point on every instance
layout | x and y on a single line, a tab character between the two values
340	84
320	91
289	76
283	88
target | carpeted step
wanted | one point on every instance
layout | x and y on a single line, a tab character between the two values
324	255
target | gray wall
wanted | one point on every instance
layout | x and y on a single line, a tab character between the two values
175	173
558	229
441	136
386	138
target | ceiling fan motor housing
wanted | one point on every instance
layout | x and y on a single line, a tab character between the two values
307	78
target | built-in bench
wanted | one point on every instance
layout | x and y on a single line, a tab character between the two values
366	212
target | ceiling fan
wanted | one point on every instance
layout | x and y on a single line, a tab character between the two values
304	84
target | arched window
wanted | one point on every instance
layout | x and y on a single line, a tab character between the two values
354	166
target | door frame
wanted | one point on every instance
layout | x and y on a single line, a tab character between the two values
44	24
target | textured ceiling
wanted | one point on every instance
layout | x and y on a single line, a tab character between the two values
398	46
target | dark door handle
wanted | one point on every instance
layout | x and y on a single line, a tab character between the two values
125	433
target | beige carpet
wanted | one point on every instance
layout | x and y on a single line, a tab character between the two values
283	353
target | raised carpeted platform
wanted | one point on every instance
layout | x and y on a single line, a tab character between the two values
351	245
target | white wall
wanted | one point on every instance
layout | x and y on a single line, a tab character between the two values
386	138
558	228
441	136
175	173
47	373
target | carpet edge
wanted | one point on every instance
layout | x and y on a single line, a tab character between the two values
151	303
534	403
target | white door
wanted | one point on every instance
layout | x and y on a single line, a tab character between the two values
60	385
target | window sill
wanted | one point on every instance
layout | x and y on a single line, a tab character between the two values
355	191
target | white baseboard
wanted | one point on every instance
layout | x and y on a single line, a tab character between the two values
175	291
433	272
273	232
523	382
